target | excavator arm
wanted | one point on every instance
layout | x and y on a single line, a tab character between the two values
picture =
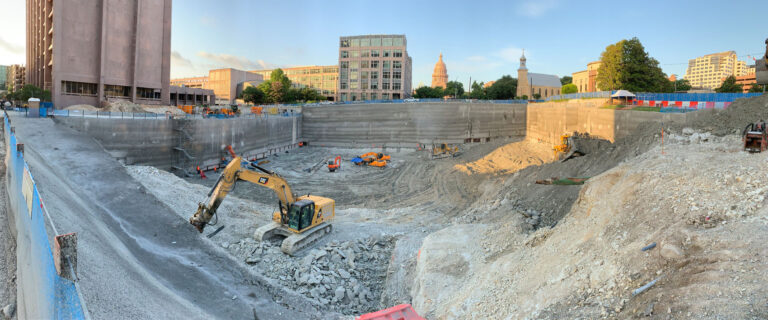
229	177
761	66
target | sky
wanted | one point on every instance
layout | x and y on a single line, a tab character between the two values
481	40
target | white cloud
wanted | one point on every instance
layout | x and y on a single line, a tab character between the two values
223	60
509	54
535	8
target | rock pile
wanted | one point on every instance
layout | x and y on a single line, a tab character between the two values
348	276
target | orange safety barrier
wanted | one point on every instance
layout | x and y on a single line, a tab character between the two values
257	110
399	312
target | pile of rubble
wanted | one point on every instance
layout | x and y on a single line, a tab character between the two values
348	276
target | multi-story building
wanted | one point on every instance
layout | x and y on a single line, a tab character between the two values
746	81
324	79
3	77
15	77
586	81
91	53
227	84
374	67
708	71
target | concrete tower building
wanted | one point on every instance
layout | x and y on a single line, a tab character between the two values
709	70
374	67
440	74
86	52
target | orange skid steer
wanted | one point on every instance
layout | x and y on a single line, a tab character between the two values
755	137
334	164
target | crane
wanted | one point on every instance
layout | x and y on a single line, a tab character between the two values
300	220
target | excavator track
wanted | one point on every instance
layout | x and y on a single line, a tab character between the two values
298	241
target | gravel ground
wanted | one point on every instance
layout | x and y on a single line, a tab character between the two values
7	244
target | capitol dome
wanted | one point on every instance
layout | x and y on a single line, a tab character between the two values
440	75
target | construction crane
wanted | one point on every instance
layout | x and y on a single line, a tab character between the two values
301	220
761	67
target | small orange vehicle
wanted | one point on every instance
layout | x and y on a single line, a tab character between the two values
334	164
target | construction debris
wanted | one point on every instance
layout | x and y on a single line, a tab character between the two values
563	182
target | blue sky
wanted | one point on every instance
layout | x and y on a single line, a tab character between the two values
479	39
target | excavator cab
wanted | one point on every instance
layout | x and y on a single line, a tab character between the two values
301	214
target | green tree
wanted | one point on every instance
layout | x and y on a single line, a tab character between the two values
730	85
681	85
253	95
276	89
478	92
425	92
566	80
454	88
536	96
308	94
503	89
30	91
756	88
524	97
569	88
626	65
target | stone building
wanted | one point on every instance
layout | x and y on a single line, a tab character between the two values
440	74
530	84
15	77
87	52
586	81
227	83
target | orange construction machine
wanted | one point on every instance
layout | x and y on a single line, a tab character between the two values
334	164
372	159
755	137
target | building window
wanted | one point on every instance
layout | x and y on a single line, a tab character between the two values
385	86
397	53
387	53
80	88
344	54
117	91
373	96
375	64
385	96
395	96
365	43
385	75
374	84
396	85
364	64
364	84
344	43
345	65
355	54
343	85
353	76
396	75
397	64
397	42
353	85
363	96
374	74
386	42
354	43
343	97
364	54
385	64
374	53
364	74
375	42
147	93
354	65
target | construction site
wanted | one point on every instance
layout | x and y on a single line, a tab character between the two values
462	210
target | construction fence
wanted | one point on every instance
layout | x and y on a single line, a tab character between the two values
42	293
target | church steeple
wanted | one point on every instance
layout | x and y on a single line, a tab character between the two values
522	61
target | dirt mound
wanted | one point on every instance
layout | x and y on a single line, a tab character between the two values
162	109
701	203
122	106
510	158
733	119
82	107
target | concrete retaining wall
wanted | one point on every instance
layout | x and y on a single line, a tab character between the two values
152	141
547	121
40	292
409	124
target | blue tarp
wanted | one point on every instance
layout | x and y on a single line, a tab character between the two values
356	160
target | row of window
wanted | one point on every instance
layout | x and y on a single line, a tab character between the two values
371	53
372	75
372	42
293	72
372	85
354	96
92	89
370	64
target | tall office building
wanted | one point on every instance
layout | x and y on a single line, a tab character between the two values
3	77
87	52
324	79
374	67
708	71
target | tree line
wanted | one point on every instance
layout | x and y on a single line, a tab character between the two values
26	92
504	88
278	90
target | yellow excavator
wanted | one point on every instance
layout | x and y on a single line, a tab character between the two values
442	150
301	220
761	69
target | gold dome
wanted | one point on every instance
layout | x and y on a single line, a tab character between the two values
440	75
